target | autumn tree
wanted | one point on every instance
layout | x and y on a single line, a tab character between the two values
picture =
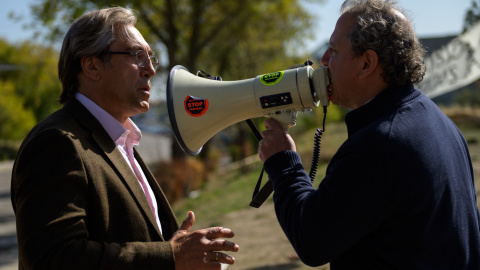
16	120
30	82
192	31
29	88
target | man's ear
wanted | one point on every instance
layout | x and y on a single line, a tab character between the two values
91	67
370	63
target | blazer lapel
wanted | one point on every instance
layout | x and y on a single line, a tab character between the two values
167	217
132	183
115	157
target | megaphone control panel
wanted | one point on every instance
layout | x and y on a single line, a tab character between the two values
276	100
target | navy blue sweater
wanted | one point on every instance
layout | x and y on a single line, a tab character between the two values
398	194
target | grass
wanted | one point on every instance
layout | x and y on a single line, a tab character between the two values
222	195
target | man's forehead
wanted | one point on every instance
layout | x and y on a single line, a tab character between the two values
132	39
342	28
132	45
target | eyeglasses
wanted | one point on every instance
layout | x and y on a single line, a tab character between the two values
142	58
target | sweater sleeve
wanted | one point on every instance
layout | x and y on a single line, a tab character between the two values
322	223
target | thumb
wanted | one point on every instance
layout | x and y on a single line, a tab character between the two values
188	222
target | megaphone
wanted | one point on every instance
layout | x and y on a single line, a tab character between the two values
199	107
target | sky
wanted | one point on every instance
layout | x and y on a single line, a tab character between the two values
431	18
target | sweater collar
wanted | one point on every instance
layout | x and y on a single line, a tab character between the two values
388	100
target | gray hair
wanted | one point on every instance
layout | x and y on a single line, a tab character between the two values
382	27
90	35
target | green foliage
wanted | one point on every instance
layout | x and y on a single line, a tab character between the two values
236	39
16	121
259	41
29	87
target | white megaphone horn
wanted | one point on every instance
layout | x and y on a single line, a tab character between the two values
199	107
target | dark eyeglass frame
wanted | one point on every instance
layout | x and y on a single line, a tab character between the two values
153	59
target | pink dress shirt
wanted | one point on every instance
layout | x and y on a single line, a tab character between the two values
125	137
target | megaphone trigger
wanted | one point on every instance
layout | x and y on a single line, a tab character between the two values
286	118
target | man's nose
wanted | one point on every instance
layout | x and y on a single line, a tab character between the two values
148	70
325	58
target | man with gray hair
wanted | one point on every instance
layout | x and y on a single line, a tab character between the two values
82	196
399	193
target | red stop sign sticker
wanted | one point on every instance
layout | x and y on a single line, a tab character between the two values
196	106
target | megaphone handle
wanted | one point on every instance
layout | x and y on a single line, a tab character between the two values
287	118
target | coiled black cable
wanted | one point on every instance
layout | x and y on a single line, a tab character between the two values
316	154
316	148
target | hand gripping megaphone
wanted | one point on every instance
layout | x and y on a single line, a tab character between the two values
199	107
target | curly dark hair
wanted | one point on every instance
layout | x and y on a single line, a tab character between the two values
383	27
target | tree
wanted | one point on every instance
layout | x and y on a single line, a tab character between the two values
472	16
29	89
16	120
191	30
35	76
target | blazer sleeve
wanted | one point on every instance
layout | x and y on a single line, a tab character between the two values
50	196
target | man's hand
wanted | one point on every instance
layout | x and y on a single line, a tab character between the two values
200	249
275	139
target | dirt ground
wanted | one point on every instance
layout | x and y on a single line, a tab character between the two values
263	245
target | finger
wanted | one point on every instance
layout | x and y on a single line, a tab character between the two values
272	124
188	222
219	232
261	156
263	142
218	257
223	245
265	133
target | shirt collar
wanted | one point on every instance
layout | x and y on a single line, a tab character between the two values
131	136
114	128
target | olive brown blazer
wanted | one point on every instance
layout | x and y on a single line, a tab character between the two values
78	204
